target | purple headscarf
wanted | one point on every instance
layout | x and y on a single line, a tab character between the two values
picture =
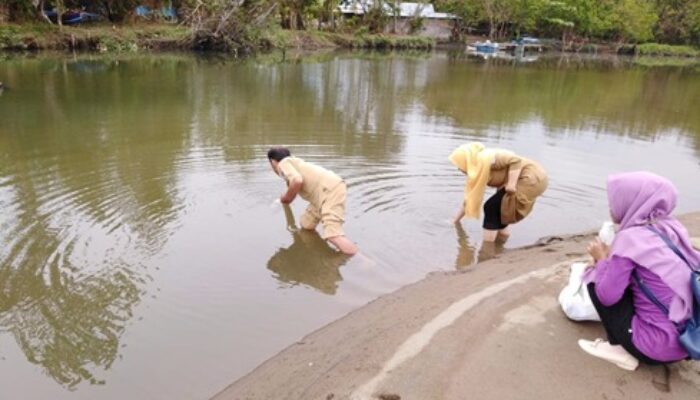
638	199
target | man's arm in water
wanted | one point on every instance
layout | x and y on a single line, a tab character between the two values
292	190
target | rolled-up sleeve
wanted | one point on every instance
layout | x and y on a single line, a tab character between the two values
288	170
612	277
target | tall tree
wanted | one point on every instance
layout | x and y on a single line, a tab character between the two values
634	20
678	21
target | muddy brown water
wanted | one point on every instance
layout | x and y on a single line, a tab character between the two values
141	253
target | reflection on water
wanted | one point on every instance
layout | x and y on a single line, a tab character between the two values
569	96
514	58
67	326
469	253
308	260
466	252
139	256
80	212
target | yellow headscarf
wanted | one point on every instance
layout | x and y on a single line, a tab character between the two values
474	160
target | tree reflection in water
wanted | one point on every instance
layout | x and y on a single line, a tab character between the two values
82	209
68	326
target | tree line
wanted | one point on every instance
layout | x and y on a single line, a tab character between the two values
635	21
575	22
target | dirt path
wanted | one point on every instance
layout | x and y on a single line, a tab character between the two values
493	332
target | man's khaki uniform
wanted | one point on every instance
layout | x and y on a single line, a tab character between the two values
324	190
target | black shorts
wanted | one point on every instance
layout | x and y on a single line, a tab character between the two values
492	212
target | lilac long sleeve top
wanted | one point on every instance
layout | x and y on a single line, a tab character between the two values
653	333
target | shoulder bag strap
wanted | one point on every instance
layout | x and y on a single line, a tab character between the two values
671	245
647	292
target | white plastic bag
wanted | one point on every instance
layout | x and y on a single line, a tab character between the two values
607	233
574	298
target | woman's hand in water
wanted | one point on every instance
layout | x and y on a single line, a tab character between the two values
598	250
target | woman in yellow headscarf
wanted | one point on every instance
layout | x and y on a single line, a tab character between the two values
519	181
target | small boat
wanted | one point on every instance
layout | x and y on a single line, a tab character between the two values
529	40
486	47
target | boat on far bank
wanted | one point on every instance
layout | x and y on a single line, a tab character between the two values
521	45
486	47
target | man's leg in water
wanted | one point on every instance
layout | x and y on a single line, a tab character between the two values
344	244
310	219
332	218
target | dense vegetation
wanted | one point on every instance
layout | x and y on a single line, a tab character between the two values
579	21
237	23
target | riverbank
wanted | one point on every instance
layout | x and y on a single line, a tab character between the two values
169	37
660	50
493	331
164	37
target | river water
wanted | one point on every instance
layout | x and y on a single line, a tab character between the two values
142	255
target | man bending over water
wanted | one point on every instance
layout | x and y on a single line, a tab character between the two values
324	190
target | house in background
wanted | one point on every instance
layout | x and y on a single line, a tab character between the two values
437	25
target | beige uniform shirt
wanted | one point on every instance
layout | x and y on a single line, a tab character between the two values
504	160
315	179
531	184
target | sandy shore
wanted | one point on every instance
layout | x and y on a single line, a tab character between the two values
493	332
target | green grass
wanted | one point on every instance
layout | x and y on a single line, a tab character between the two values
367	41
656	49
311	39
278	38
652	61
97	37
139	37
24	37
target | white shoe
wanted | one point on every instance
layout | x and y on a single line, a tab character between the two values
611	353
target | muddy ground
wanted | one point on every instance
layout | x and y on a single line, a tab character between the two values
495	331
